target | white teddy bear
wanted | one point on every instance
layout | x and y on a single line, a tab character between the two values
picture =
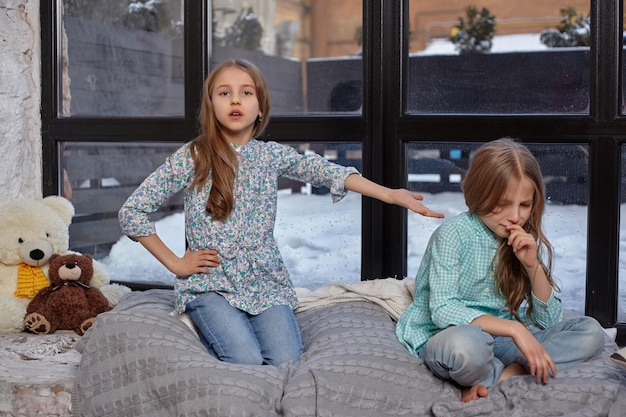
31	231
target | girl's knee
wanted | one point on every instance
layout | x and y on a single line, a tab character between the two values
283	356
243	357
594	335
461	353
469	341
289	349
585	335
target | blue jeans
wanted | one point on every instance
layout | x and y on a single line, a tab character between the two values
232	335
468	355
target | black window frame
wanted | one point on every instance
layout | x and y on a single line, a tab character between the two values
384	128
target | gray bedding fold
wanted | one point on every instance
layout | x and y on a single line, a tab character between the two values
138	360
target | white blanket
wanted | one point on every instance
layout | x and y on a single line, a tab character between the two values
394	295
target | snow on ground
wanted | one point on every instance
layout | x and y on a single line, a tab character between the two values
504	43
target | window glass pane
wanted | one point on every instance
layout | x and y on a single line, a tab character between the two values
531	58
309	51
437	169
320	241
122	58
98	177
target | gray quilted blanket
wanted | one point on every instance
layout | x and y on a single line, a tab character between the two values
138	360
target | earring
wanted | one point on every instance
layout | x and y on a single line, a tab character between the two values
259	119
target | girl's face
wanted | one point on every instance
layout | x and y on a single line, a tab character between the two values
235	104
514	209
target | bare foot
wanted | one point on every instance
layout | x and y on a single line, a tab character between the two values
514	369
477	391
474	392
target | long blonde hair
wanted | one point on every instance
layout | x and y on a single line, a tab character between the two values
493	168
213	155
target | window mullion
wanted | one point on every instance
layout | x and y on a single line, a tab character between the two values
604	165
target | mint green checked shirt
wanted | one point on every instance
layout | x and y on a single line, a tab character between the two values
455	284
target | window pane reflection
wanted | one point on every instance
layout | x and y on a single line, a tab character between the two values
308	51
534	59
122	58
437	169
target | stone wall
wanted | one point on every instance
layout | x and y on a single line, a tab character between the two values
20	99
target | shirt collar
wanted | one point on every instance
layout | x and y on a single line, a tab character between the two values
482	229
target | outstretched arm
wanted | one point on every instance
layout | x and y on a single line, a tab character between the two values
400	196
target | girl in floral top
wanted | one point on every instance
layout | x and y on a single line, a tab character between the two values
231	280
485	305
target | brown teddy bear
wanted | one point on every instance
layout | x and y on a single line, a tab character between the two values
68	303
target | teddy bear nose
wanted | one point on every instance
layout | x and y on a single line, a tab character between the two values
70	265
36	254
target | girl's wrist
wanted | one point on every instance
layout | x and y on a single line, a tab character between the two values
171	263
532	270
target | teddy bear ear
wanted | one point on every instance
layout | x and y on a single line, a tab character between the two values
62	206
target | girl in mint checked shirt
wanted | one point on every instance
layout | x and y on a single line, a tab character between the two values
485	305
232	281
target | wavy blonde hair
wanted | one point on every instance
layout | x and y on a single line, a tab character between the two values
494	167
213	155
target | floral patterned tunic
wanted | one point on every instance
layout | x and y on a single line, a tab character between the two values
251	275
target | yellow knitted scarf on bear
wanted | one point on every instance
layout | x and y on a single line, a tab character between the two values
30	279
